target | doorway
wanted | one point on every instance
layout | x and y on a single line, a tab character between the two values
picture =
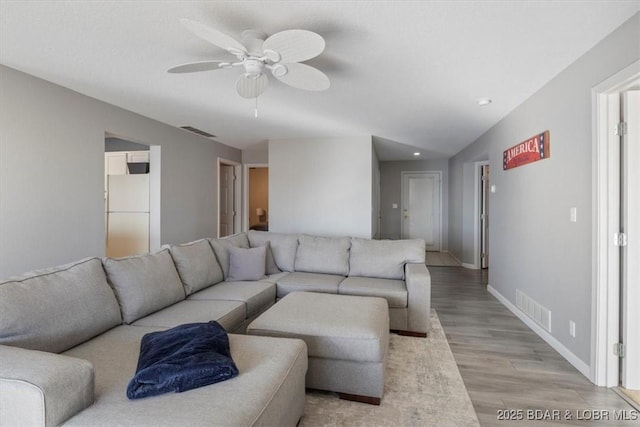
256	197
132	197
421	207
616	111
228	197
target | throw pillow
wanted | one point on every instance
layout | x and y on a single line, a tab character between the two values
182	358
247	264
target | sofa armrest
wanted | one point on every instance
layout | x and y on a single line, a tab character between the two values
43	389
418	282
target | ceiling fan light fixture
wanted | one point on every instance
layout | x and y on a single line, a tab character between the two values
281	53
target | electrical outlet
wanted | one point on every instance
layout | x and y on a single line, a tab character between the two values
572	328
573	214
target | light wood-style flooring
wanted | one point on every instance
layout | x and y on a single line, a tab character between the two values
505	365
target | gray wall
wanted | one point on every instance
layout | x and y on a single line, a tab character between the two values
321	186
391	192
52	211
533	246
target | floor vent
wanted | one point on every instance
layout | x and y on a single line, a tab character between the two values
533	309
197	131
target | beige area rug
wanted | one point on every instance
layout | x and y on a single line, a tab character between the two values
423	387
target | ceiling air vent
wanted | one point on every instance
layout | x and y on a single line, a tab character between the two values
198	131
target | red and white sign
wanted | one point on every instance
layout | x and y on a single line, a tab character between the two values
533	149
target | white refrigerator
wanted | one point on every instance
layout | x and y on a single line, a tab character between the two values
127	215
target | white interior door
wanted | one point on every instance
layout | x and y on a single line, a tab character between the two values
421	207
227	202
630	253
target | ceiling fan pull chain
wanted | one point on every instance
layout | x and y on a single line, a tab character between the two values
255	111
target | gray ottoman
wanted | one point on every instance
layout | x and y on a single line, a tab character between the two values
347	339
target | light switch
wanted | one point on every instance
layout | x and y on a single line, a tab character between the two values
394	206
493	188
573	214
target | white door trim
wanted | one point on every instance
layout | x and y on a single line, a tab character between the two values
403	199
605	313
155	174
245	192
237	199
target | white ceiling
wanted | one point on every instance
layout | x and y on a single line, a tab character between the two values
407	72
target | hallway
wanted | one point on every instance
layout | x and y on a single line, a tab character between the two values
505	365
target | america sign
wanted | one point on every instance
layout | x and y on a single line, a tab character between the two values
533	149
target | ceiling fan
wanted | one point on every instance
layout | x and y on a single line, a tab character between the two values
281	54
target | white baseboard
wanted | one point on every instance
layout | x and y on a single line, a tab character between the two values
557	345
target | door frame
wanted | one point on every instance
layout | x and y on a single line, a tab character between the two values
237	199
403	198
477	224
605	316
245	191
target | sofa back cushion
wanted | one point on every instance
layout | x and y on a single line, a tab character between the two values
221	249
384	258
144	284
58	308
197	265
328	255
283	247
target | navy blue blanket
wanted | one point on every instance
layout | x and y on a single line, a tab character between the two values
182	358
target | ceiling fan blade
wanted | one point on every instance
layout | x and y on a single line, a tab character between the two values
214	36
194	67
249	86
305	77
295	45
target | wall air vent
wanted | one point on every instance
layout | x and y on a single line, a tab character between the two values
197	131
534	309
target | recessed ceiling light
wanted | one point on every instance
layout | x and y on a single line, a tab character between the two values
484	101
417	153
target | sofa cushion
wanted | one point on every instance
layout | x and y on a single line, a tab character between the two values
57	308
256	296
39	388
182	358
384	258
308	282
221	249
247	264
144	283
328	255
283	247
268	391
197	265
394	291
230	314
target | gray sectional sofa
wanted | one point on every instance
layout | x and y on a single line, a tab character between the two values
70	335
